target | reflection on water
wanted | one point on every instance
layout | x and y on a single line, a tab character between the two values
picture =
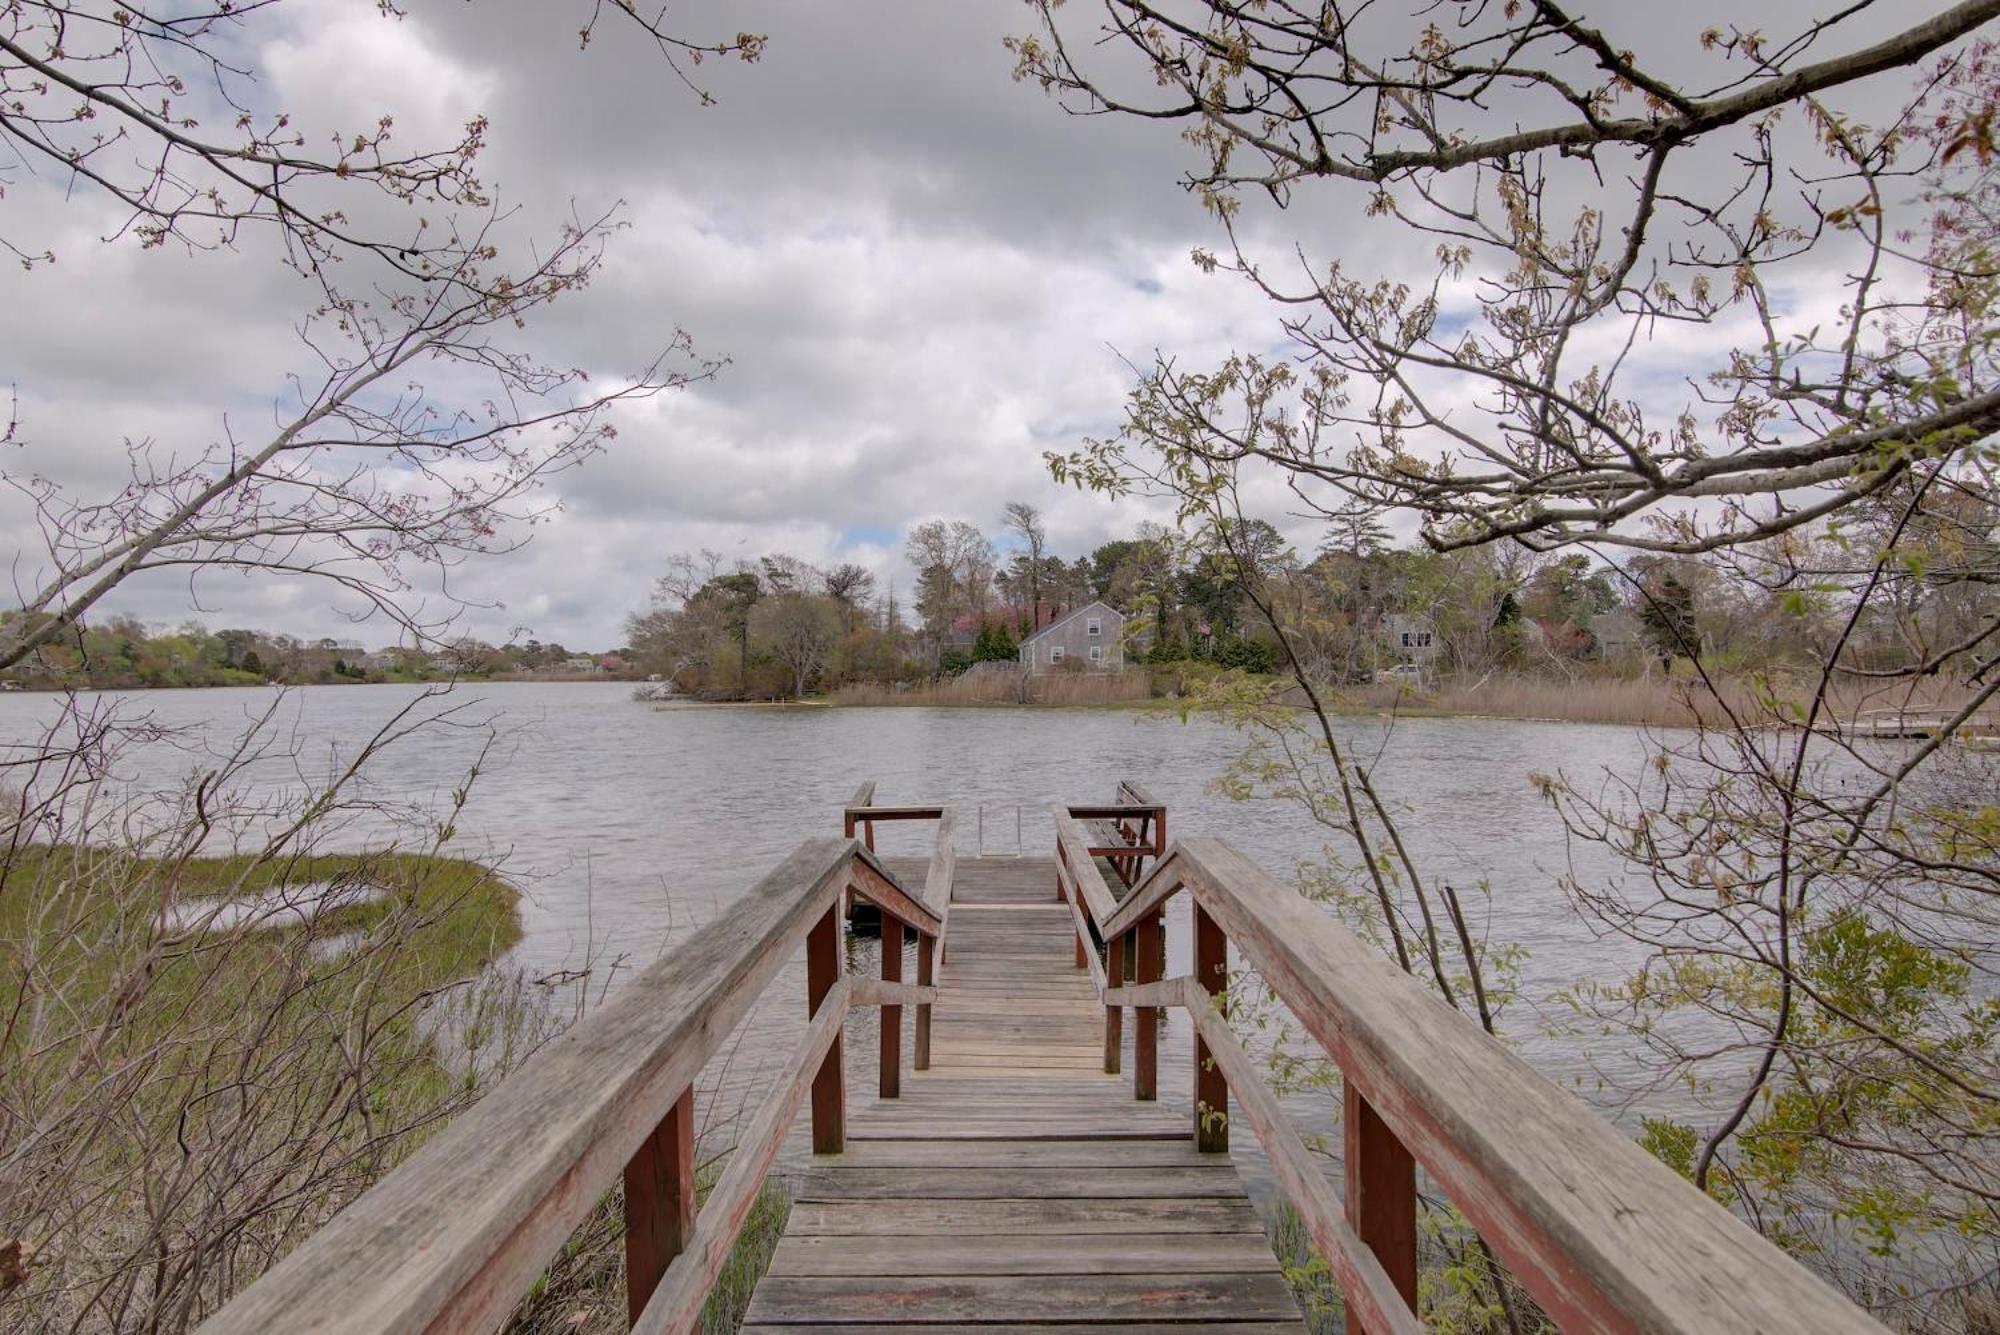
627	826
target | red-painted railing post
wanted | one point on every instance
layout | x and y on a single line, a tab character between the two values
1114	1016
1147	966
1381	1195
926	971
892	1016
659	1203
829	1133
1211	1091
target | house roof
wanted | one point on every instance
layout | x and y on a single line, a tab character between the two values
1071	616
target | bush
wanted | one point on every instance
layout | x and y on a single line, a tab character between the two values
994	644
1246	655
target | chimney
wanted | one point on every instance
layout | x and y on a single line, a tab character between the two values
1044	614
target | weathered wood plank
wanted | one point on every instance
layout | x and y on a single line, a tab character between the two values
1100	1126
1142	900
873	882
1027	1253
1294	1327
944	1184
1016	1153
952	1300
1079	868
952	1218
875	992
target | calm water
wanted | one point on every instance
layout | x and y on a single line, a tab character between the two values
628	826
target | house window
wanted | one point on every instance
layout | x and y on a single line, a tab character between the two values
1097	653
1055	653
1094	626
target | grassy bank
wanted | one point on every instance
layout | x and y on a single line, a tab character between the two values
1678	700
203	1059
1668	702
1653	703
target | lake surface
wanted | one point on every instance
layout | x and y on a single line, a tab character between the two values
628	826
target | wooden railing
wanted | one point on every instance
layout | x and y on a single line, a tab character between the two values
861	813
1126	831
453	1237
1604	1236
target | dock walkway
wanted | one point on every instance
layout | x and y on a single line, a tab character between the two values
1014	1182
1006	1177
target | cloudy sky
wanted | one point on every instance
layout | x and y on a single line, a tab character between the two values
923	273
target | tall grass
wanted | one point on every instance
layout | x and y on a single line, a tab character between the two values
583	1290
1658	701
186	1092
1008	688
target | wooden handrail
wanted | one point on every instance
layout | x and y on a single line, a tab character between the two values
1603	1235
1075	859
677	1301
864	796
1366	1286
874	883
875	813
1131	790
454	1236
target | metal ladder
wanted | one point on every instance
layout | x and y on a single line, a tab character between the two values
1017	831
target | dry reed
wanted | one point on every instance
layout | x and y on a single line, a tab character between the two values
1008	688
1647	701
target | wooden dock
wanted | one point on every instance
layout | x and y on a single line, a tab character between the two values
1015	1182
1016	1171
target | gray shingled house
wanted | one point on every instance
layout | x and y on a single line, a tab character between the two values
1093	635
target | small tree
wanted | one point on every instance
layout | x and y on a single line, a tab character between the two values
798	630
995	643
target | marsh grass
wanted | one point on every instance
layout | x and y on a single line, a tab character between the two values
186	1093
583	1290
1661	700
1459	1289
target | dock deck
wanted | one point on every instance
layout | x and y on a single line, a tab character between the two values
1015	1182
1006	1177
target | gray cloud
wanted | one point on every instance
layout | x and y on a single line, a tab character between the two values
925	275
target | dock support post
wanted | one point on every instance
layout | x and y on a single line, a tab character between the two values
1381	1195
1211	1091
926	969
829	1133
1114	1016
659	1203
1147	967
892	1016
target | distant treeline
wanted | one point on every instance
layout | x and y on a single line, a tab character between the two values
121	653
779	626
